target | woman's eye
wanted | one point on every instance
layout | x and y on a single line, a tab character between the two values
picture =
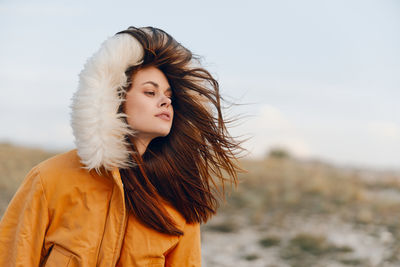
149	93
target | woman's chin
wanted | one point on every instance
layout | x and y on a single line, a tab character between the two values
162	134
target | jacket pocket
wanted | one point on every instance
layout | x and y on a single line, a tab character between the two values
58	258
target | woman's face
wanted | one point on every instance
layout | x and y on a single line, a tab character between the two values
148	104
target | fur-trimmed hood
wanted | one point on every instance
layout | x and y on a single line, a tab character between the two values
98	128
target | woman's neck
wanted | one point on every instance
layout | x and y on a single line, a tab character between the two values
141	145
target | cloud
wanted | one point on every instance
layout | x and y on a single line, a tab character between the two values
384	129
271	128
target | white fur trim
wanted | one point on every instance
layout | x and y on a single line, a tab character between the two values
98	128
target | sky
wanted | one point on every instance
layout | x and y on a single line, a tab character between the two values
318	78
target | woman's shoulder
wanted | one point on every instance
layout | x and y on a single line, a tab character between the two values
63	175
64	164
60	162
65	169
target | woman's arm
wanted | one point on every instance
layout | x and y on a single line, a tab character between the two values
188	250
23	226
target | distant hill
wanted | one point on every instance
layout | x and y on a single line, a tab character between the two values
15	163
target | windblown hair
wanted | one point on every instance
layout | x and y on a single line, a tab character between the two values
188	167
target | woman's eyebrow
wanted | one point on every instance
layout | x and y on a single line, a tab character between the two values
156	85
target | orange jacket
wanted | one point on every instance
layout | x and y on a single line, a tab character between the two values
63	215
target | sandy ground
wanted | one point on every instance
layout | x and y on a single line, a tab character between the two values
370	245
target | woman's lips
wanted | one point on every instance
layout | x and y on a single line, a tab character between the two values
163	116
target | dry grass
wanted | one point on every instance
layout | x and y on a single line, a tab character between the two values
286	186
279	189
15	163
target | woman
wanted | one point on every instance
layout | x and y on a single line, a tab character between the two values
152	147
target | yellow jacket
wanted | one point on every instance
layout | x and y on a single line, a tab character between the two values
63	215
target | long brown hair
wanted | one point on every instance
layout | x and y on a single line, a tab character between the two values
188	167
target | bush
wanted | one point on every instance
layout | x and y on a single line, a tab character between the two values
269	241
279	153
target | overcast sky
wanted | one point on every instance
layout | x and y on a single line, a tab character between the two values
321	78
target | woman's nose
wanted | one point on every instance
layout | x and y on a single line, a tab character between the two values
165	101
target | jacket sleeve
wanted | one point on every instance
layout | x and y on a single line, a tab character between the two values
188	250
24	223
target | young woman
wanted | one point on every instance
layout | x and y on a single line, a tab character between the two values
152	147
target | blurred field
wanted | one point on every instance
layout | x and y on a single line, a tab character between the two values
285	212
288	212
15	163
